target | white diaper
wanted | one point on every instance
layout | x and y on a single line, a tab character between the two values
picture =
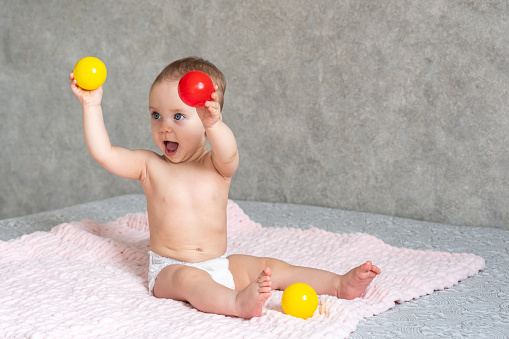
217	268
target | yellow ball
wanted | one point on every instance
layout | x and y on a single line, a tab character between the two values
299	300
90	73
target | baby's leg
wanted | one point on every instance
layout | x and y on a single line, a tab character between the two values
348	286
184	283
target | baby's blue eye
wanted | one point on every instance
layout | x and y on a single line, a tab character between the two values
178	116
156	115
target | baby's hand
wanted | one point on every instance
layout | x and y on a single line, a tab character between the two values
86	98
211	112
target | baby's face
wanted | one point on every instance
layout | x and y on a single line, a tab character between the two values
176	127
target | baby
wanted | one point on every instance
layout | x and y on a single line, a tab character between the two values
187	192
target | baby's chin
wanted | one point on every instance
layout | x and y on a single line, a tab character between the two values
171	159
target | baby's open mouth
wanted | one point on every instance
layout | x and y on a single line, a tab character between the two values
171	147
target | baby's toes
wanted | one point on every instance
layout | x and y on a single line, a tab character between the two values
265	289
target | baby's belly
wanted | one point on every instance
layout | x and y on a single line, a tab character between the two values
187	228
187	243
197	254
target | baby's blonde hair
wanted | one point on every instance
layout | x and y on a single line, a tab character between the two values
177	69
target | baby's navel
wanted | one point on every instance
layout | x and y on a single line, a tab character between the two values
199	250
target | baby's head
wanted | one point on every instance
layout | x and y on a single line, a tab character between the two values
177	69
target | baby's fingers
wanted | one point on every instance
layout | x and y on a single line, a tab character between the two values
214	102
73	82
213	106
214	95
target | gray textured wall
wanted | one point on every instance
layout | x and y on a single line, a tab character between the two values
394	107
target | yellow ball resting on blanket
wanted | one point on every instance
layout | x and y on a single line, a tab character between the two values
299	300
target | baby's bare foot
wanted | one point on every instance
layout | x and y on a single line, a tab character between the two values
250	300
356	280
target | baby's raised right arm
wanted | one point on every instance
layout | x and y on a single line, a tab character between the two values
117	160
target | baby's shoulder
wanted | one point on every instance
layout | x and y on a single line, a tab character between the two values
153	157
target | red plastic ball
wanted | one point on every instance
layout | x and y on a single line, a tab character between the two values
195	88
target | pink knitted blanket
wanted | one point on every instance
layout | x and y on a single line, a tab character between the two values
84	279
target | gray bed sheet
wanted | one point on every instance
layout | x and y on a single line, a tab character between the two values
477	307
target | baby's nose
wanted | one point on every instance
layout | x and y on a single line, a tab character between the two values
166	126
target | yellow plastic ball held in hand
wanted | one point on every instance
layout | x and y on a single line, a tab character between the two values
90	73
299	300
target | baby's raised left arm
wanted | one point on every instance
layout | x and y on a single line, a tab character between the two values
225	156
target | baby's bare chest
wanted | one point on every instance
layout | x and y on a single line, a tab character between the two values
189	185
